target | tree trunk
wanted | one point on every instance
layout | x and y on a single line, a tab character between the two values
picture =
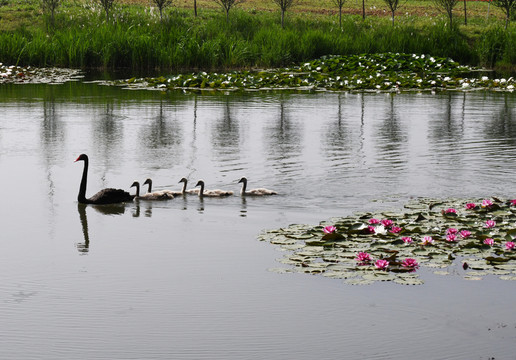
340	17
363	9
392	11
195	7
465	14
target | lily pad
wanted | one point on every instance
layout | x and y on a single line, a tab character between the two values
373	252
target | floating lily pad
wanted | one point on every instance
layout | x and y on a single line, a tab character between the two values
377	72
359	281
473	278
368	250
441	272
508	277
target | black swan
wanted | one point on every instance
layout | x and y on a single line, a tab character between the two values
157	195
254	192
212	193
105	196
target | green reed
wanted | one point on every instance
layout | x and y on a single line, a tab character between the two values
136	39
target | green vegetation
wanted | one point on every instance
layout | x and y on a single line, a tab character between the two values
379	72
472	239
132	36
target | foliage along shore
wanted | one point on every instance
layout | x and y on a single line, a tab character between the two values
136	38
377	72
29	75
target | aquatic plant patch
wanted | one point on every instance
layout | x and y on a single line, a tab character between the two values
20	75
474	239
378	72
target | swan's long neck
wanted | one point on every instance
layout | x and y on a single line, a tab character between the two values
184	187
137	186
201	191
82	189
149	190
244	187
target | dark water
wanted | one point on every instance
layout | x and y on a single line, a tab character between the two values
187	279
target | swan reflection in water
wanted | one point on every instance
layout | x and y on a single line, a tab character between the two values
111	209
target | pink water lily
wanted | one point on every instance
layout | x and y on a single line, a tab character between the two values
410	263
330	229
509	245
451	237
381	264
371	229
387	222
363	257
406	239
427	240
470	206
513	202
374	221
490	224
465	234
450	211
489	241
452	231
487	203
395	229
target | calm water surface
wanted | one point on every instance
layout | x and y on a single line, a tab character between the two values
187	279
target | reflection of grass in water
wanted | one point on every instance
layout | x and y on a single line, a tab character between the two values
309	250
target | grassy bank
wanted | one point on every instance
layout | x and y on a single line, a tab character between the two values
136	38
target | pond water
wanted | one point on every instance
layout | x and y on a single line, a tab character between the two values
188	279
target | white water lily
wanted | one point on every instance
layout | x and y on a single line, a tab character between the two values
485	78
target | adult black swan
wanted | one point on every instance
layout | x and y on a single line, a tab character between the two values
105	196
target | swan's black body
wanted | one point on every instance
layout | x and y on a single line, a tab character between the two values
105	196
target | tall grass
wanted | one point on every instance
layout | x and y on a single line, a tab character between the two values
136	39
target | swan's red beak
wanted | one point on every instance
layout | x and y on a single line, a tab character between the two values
77	159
